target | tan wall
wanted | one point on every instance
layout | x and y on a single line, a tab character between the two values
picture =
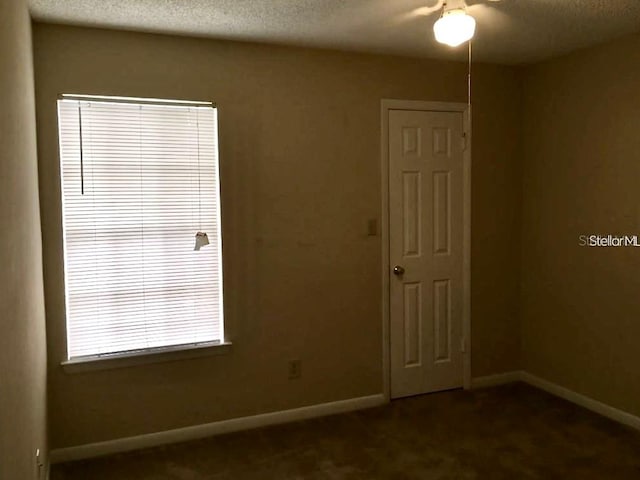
22	327
580	306
300	136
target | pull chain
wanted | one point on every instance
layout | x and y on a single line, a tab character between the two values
469	78
201	237
199	194
81	150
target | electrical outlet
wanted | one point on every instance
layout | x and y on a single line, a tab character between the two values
295	369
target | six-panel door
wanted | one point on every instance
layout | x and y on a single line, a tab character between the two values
426	242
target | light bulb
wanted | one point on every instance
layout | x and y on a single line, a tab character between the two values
454	27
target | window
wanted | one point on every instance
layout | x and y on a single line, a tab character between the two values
139	179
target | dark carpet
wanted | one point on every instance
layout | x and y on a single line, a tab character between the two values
508	432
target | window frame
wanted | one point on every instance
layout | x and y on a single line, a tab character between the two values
127	358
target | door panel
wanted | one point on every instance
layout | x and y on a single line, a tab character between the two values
411	214
426	240
412	324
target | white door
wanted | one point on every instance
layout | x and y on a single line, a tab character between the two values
425	251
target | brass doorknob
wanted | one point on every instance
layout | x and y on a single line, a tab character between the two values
398	270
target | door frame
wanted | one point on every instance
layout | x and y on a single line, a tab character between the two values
393	104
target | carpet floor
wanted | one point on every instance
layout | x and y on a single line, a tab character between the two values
509	432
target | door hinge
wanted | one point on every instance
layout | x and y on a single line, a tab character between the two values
464	141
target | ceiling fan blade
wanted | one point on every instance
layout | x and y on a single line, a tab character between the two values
471	3
385	13
488	14
427	9
419	12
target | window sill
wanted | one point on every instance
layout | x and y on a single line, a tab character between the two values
144	357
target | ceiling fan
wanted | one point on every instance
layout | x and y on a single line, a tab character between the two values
455	26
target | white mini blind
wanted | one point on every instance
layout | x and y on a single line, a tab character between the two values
138	181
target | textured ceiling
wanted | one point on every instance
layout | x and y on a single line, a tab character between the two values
509	31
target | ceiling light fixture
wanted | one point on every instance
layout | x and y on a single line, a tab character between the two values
454	27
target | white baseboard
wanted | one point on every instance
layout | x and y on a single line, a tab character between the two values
245	423
195	432
587	402
497	379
